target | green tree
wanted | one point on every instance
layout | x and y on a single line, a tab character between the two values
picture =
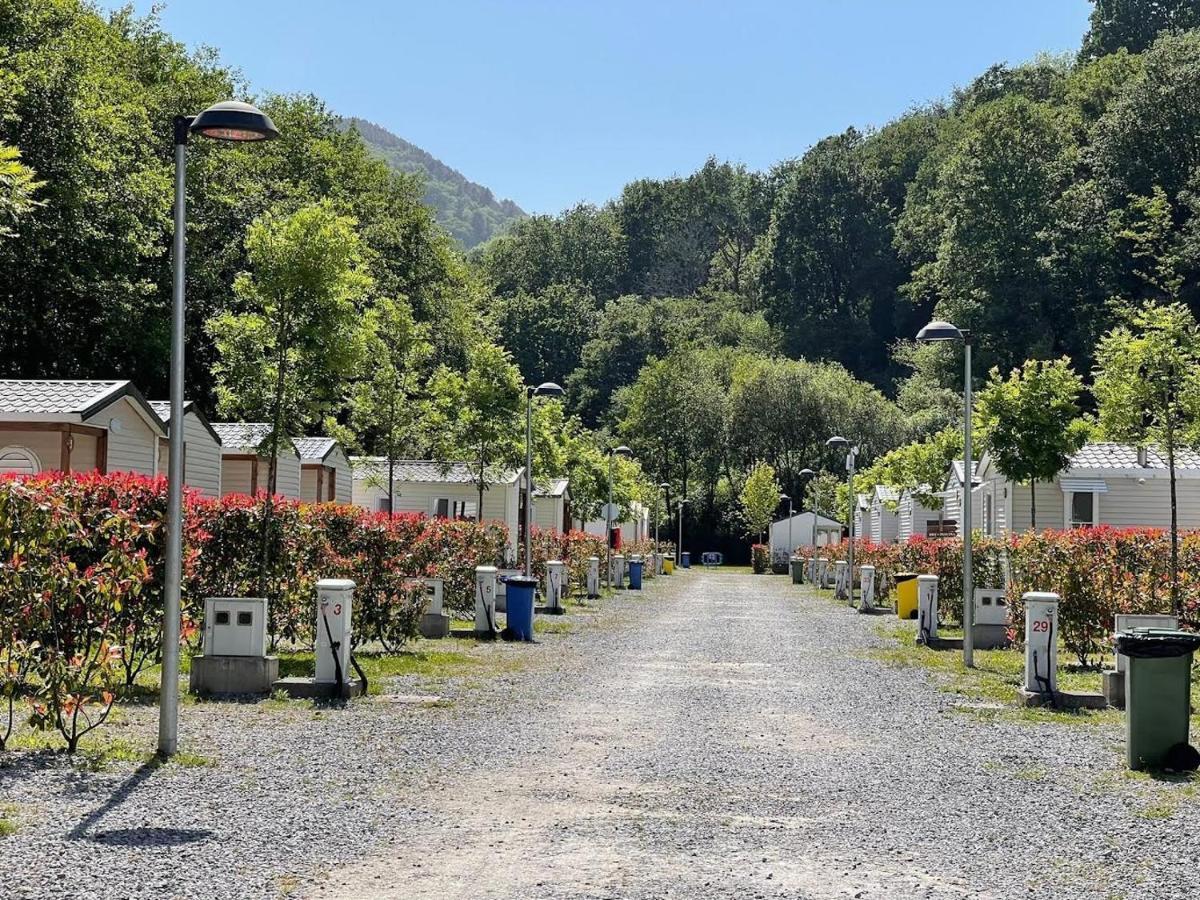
760	498
1134	24
17	187
384	405
1030	422
919	467
1147	385
824	495
285	360
547	330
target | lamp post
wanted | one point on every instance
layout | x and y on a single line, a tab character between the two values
806	475
545	389
664	487
840	443
679	549
791	546
227	121
935	332
608	511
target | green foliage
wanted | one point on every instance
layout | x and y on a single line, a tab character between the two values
825	495
1030	421
1134	24
17	187
759	498
919	467
547	330
467	210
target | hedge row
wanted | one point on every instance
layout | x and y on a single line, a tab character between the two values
1097	573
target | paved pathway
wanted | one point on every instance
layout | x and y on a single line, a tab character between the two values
727	736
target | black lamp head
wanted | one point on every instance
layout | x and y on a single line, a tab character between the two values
837	442
232	120
937	330
621	451
548	389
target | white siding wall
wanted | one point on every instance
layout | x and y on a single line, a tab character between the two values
1129	504
45	445
236	476
134	448
287	476
548	513
884	524
343	485
1017	503
201	458
904	518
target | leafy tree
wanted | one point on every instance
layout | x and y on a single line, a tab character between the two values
547	330
17	186
760	498
919	467
1030	422
1147	386
286	358
1134	24
824	495
384	405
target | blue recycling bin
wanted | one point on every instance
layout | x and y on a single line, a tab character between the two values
685	559
519	591
635	574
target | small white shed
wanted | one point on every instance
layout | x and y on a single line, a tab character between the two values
552	506
952	495
805	529
244	468
201	449
915	517
883	522
77	426
862	507
325	474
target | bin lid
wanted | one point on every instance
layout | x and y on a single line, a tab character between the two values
904	576
521	581
1156	643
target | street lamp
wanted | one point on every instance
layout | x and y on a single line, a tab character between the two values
840	443
937	332
608	512
664	487
227	121
545	389
679	549
806	475
791	546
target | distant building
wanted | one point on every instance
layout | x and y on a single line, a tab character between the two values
916	518
325	473
882	519
806	527
201	449
552	506
244	467
77	426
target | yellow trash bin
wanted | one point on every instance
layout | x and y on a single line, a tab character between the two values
668	567
906	595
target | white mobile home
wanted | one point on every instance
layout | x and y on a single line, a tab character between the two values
914	517
1104	484
201	449
882	518
77	426
244	468
952	495
862	515
325	475
552	506
805	529
446	490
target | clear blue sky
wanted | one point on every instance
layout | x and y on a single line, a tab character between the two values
550	102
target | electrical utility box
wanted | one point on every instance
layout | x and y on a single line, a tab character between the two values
235	626
866	575
556	578
485	600
1041	642
927	608
593	577
990	628
334	599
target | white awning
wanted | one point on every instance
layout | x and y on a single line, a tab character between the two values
1083	486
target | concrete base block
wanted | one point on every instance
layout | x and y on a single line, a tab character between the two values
1063	699
1113	686
990	637
874	610
550	610
233	674
309	689
434	625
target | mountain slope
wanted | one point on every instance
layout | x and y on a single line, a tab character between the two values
467	210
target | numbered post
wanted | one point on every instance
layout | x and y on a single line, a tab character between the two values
555	579
810	570
822	572
866	575
485	601
334	599
927	609
1041	642
618	570
593	577
839	580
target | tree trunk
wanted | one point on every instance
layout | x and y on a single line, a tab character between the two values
273	462
1032	505
1176	606
391	486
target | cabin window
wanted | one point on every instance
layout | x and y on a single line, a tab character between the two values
19	461
1083	509
383	505
448	508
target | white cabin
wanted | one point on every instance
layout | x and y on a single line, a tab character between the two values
201	449
1105	483
77	426
552	506
952	495
803	529
882	519
325	473
244	468
915	518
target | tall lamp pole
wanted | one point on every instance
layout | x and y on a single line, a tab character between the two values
791	546
679	549
608	511
935	332
546	389
841	443
663	487
806	475
227	121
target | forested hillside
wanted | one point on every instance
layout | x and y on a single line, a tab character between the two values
469	211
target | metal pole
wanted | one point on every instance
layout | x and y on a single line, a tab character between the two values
850	461
791	546
968	475
679	549
528	482
168	694
608	526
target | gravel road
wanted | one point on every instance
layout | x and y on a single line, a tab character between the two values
721	736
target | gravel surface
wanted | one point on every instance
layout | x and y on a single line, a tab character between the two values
721	736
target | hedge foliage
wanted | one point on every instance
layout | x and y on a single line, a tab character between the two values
1097	573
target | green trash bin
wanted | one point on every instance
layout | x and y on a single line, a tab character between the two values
1158	692
797	564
